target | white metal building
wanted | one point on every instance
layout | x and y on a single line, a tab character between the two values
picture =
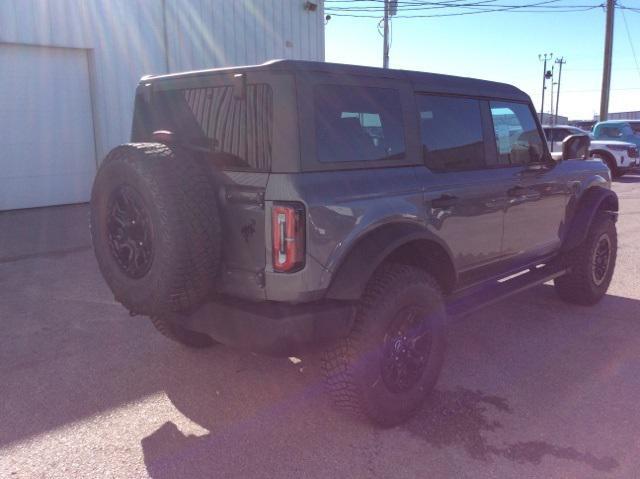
623	115
68	71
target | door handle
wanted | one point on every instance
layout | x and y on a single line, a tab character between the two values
444	201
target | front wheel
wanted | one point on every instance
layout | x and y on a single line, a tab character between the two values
388	365
591	264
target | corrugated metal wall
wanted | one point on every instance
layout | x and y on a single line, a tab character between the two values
241	32
125	39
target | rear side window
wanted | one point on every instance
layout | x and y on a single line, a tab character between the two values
517	137
358	123
451	133
237	133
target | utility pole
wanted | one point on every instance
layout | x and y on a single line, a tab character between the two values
560	61
385	52
545	76
552	83
606	70
390	9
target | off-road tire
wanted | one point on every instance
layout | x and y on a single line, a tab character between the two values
579	286
610	161
353	366
178	197
177	333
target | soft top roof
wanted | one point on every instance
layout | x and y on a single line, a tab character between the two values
431	82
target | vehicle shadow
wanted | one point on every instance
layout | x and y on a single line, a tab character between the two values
629	178
69	353
286	404
458	418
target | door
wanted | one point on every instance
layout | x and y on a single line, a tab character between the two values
537	193
47	154
464	199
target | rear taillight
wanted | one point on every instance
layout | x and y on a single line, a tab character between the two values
288	227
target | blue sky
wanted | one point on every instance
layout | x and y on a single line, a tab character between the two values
504	47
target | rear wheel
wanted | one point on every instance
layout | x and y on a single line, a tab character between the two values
388	365
591	264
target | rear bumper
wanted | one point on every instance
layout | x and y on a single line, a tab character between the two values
273	328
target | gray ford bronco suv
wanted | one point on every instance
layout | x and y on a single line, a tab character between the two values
297	205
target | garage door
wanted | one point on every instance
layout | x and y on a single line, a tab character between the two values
47	154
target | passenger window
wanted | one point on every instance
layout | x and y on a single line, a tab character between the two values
358	124
517	137
451	133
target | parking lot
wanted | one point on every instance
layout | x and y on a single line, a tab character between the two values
532	387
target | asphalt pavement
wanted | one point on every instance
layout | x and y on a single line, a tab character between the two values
532	387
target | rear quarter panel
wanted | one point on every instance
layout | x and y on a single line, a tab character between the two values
341	207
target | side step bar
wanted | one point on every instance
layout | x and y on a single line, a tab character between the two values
471	299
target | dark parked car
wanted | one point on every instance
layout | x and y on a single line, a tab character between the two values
294	205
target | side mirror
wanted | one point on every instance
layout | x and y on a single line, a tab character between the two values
576	147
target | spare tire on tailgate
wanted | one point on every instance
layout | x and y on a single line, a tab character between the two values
155	227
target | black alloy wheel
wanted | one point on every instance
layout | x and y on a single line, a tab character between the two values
406	348
601	259
130	232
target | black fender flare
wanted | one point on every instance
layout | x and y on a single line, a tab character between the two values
595	199
366	255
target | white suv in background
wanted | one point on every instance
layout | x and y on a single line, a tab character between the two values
619	156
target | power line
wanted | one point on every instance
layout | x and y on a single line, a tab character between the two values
631	9
457	4
633	50
477	7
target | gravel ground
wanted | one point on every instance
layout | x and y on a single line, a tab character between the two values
532	387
